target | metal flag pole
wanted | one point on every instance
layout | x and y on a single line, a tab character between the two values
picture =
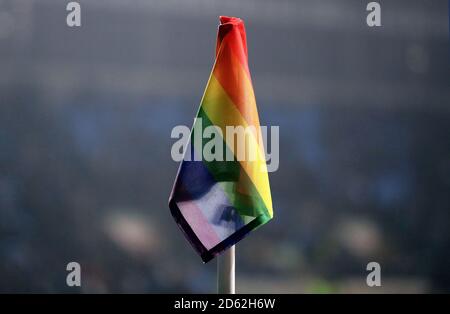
225	272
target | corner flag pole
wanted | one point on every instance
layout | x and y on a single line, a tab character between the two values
225	272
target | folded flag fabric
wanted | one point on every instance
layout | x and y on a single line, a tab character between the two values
217	202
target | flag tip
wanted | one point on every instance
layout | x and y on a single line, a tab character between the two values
229	20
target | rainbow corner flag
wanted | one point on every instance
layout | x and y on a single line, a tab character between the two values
218	202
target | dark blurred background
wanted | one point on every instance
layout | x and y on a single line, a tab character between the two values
85	121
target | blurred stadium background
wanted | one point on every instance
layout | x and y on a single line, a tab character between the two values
85	166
